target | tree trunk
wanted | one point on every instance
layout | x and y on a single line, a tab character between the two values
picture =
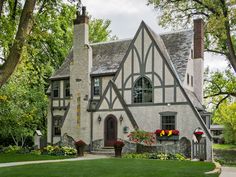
1	6
24	29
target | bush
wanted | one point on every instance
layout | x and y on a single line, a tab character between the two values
158	156
69	151
12	149
36	152
59	151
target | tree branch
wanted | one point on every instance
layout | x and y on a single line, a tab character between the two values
24	28
218	104
215	51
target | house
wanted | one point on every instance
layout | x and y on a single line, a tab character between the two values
105	90
217	133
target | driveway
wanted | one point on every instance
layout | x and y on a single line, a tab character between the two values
228	172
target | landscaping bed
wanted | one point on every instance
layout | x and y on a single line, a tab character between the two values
225	154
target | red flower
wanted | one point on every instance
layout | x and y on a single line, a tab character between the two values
175	132
118	144
198	133
158	131
80	143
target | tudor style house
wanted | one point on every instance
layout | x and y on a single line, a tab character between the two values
105	90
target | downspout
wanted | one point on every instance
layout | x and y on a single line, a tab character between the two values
91	131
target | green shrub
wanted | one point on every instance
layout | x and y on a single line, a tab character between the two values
12	149
69	151
158	156
59	151
35	152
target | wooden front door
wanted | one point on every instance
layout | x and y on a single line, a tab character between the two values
110	132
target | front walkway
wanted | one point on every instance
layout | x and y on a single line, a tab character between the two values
86	157
228	172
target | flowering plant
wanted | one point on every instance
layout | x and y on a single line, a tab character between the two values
80	143
118	144
198	133
141	136
159	132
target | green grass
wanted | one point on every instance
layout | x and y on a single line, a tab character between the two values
111	168
224	146
13	157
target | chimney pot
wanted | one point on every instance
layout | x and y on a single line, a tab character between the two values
83	10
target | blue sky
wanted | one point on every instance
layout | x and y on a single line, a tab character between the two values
126	16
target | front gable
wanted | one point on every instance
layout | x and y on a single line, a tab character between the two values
145	58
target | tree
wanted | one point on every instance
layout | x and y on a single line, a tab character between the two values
23	103
46	34
226	115
219	86
219	16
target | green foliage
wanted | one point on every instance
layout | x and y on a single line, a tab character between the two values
12	149
59	151
158	156
219	86
226	115
141	136
219	18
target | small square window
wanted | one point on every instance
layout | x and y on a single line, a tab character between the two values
168	122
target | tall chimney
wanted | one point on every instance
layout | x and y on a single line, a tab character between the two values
80	69
198	58
198	38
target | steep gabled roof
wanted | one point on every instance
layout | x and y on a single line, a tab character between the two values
107	56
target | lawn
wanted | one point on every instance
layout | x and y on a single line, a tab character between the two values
111	168
14	157
224	146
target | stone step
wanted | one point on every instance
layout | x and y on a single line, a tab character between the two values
104	151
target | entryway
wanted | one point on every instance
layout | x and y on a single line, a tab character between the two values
110	130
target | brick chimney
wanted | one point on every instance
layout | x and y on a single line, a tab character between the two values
198	38
198	58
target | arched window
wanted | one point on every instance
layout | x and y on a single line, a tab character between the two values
142	91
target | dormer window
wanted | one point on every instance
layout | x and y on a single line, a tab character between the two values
96	86
55	89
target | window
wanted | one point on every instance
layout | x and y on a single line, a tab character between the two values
57	124
188	79
67	88
96	86
142	91
55	89
192	81
168	122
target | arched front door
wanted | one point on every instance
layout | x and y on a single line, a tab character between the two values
110	131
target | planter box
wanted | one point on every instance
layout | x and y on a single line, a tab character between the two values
168	138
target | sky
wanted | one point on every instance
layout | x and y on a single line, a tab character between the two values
126	16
